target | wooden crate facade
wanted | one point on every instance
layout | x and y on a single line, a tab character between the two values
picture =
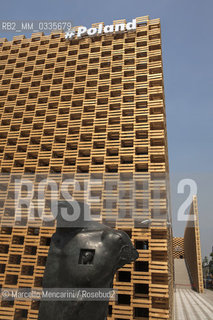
88	108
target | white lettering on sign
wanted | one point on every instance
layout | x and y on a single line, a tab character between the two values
92	31
108	29
120	27
81	32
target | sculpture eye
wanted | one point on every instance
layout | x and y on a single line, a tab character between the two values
86	256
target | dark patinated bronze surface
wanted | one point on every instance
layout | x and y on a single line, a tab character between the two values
83	255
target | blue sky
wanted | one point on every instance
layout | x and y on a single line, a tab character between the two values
187	56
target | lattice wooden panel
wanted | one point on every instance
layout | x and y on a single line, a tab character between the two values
192	248
87	108
178	248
